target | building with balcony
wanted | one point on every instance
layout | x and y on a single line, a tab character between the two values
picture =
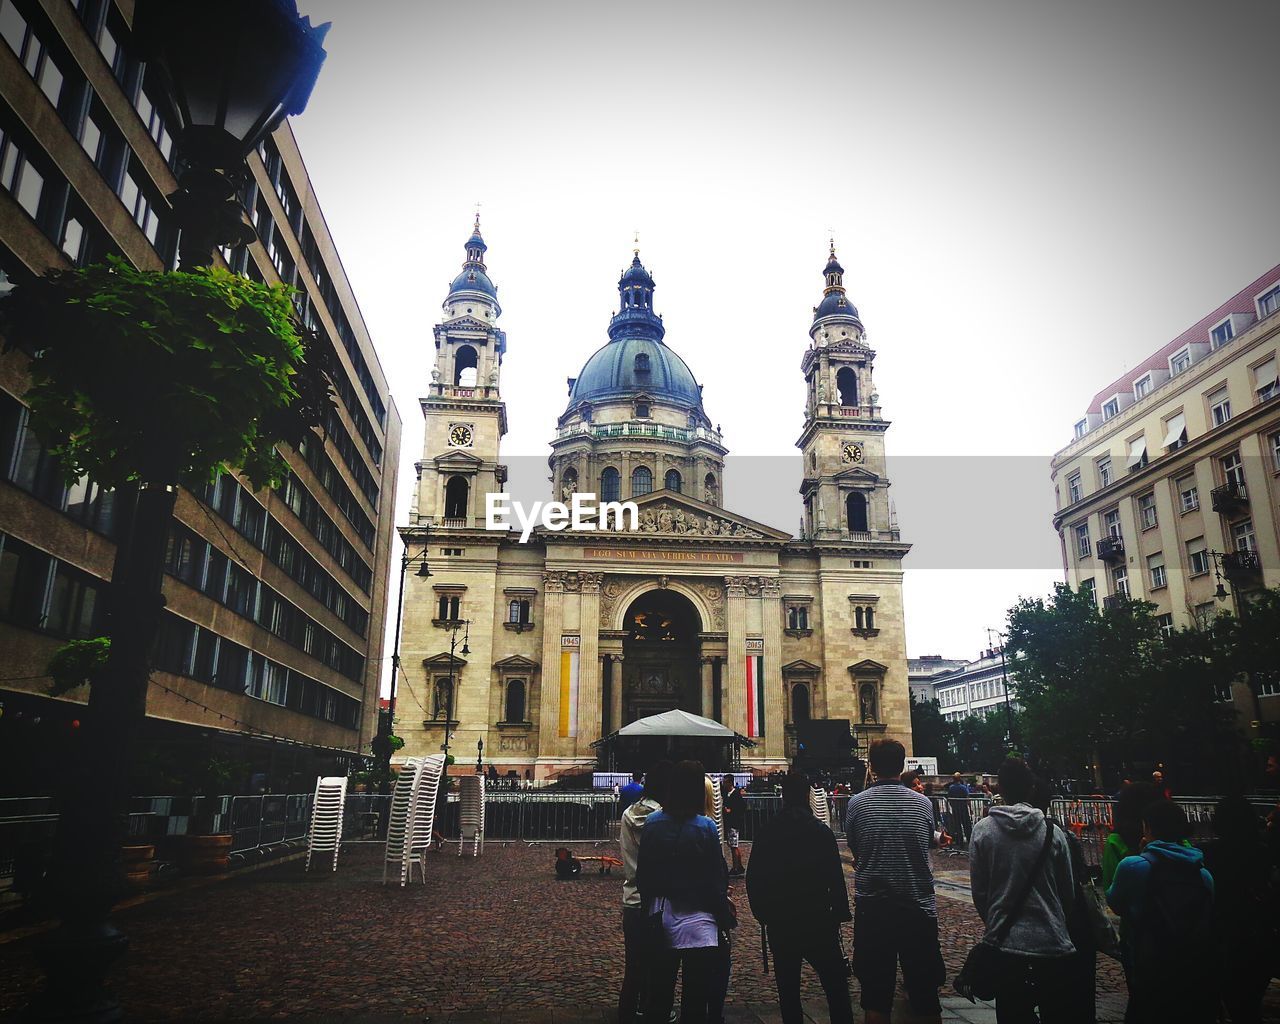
575	634
269	653
1171	484
977	687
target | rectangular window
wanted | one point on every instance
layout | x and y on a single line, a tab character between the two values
1264	380
1242	538
1111	523
1233	471
1269	302
1142	386
1180	361
1175	431
1082	428
1110	408
1197	557
1082	540
1104	472
1120	580
1221	334
1188	495
1204	615
1275	451
1155	566
1165	622
1220	407
1147	511
1088	587
1075	490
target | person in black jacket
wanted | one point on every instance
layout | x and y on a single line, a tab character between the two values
796	887
735	812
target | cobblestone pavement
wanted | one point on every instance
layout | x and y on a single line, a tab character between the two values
494	939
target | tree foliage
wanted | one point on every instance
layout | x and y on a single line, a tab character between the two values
1091	679
143	375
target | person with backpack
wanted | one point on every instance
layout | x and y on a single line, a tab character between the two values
636	947
1165	896
795	883
1023	889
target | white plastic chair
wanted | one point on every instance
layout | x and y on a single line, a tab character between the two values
327	810
821	805
717	797
471	813
399	821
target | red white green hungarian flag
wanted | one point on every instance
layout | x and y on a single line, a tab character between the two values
755	695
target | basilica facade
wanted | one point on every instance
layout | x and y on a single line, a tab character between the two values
539	649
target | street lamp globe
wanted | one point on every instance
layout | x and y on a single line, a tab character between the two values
232	70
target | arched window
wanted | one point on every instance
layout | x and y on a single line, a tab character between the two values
847	385
871	618
857	617
610	485
568	484
642	362
856	506
867	704
455	498
672	482
442	704
518	611
514	705
450	606
641	481
710	493
465	362
800	703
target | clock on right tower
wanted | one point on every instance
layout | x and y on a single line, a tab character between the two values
845	487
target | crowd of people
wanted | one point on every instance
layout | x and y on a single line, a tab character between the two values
1198	929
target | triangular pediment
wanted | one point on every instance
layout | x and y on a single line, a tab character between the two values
468	323
458	458
800	667
867	667
516	663
670	513
857	475
441	660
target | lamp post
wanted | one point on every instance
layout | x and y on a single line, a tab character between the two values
382	741
480	756
442	799
233	71
1004	682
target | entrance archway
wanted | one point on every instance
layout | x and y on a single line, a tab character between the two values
661	656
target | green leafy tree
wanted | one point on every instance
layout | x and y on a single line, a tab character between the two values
931	734
1108	681
982	742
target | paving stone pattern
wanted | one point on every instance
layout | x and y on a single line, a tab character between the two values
494	939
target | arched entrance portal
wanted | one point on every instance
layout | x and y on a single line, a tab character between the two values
661	656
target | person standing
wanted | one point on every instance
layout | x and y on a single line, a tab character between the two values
1023	889
680	873
958	801
636	945
631	792
796	887
889	830
735	812
1165	896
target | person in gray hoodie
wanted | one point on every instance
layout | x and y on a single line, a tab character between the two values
1036	954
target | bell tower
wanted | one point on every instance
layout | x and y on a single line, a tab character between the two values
465	415
845	487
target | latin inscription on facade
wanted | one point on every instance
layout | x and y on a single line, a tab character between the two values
644	555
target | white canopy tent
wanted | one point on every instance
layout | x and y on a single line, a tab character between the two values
676	723
673	734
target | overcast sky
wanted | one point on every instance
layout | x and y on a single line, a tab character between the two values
1028	197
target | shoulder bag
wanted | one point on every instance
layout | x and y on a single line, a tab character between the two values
977	978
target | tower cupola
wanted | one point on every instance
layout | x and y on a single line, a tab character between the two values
635	317
835	303
473	283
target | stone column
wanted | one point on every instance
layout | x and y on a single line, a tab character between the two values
735	675
589	662
771	600
708	695
549	705
615	693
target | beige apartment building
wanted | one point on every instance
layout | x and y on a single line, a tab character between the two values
276	599
1170	489
574	634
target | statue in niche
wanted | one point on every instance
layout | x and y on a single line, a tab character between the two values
867	703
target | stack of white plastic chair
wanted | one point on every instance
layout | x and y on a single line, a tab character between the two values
326	818
423	809
398	822
471	813
717	801
821	805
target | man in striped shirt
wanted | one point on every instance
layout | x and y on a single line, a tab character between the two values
890	829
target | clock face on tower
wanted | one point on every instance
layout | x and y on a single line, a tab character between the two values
460	436
850	452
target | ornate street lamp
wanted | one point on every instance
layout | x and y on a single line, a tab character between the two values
232	72
480	757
